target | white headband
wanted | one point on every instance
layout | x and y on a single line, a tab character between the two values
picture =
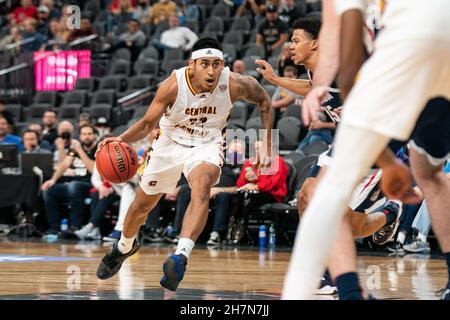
207	53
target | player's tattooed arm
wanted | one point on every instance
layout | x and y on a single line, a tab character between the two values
249	89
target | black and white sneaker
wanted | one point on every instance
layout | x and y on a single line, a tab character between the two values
396	248
214	239
327	286
113	260
387	232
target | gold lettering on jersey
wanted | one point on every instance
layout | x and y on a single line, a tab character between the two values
201	110
191	131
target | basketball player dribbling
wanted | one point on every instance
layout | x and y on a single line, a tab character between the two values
192	107
409	67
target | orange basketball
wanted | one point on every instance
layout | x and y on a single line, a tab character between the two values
117	162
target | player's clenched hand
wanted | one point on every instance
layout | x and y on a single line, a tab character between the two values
396	183
312	104
106	141
266	71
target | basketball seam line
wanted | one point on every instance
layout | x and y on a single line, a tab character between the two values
112	164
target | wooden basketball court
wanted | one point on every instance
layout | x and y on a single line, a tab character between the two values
40	270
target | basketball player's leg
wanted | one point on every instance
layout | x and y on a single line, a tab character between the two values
137	214
342	262
373	114
429	149
435	185
201	177
362	224
324	214
127	244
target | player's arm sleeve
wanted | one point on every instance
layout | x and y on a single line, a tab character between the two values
249	89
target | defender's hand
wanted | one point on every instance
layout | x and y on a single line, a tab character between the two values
266	71
312	104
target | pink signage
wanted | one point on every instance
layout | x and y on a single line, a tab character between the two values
59	71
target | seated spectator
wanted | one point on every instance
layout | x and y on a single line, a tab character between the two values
272	31
103	127
63	141
271	185
119	7
121	12
319	131
74	186
26	10
255	8
43	20
175	37
49	132
42	144
239	67
7	138
282	98
83	119
8	116
14	36
285	60
66	23
55	36
85	30
264	188
31	142
161	11
142	11
39	41
289	12
220	195
54	13
134	40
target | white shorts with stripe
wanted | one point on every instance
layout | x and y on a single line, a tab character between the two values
169	159
367	195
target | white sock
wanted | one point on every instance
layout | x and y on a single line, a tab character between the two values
125	244
185	246
401	237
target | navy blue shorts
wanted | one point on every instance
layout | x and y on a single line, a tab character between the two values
432	132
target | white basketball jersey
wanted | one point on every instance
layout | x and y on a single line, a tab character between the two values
196	119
